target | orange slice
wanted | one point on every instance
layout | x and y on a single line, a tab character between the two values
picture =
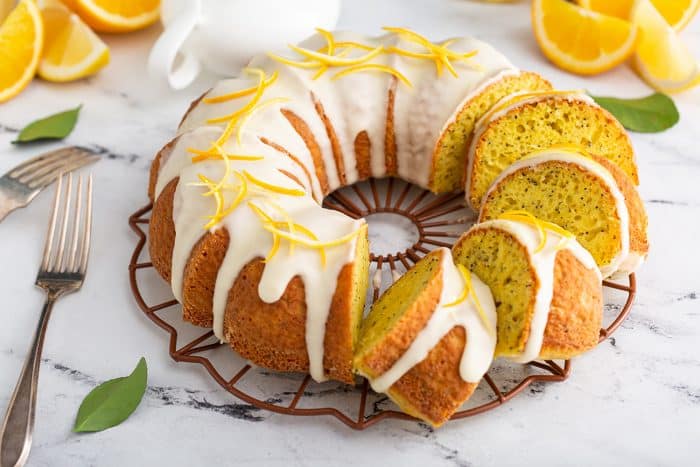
677	13
116	15
21	38
580	40
71	50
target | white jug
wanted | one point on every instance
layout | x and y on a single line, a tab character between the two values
222	35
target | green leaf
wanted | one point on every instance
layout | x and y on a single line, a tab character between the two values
56	126
650	114
113	401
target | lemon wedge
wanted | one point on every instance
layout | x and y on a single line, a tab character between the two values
21	39
661	58
71	50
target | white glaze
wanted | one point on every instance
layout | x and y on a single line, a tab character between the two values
483	123
542	262
597	170
481	339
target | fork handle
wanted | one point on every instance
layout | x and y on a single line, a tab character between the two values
18	426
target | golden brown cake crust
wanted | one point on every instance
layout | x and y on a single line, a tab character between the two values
193	104
333	138
362	155
199	277
161	231
390	150
270	335
273	335
576	312
307	136
639	240
433	389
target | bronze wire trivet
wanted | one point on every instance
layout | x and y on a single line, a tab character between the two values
427	211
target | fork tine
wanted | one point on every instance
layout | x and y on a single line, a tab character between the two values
57	263
48	246
88	228
76	225
46	175
39	161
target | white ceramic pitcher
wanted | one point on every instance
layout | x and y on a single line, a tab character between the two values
222	35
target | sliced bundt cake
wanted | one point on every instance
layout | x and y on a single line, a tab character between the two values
586	195
429	339
236	226
546	286
521	124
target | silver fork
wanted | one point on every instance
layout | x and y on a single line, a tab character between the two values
62	271
20	185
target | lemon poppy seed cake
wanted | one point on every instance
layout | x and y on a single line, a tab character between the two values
586	195
527	122
429	339
546	286
236	226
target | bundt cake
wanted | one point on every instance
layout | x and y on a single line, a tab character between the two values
527	122
586	195
236	226
238	229
546	286
429	339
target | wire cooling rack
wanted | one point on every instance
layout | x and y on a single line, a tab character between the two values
397	212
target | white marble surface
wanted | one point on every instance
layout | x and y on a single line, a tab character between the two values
635	400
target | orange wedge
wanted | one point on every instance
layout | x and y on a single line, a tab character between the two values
21	39
677	13
661	58
71	50
116	15
580	40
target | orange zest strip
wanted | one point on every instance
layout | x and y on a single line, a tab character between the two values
439	53
242	92
373	67
542	226
213	155
333	60
469	291
271	187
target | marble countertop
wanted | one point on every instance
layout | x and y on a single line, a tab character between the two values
634	400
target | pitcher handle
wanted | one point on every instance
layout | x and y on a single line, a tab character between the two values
166	49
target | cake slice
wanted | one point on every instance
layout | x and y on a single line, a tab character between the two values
546	286
429	339
521	124
451	149
586	195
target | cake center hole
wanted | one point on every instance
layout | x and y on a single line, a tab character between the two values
390	233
